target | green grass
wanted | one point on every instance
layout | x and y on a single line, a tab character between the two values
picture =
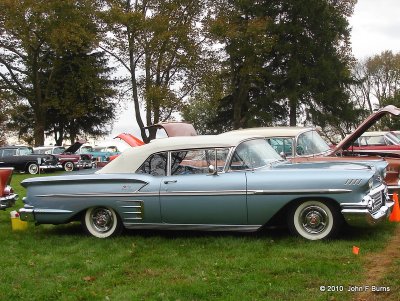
60	263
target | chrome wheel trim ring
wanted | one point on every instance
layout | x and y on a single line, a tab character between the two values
69	166
33	169
101	219
313	219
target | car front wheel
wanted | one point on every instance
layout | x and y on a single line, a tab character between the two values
314	220
102	222
68	166
33	168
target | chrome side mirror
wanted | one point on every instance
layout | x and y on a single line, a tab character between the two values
283	155
212	170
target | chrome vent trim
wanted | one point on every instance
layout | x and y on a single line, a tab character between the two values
132	210
352	182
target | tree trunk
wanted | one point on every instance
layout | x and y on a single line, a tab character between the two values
38	130
292	112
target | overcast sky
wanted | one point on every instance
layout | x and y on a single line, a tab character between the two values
375	27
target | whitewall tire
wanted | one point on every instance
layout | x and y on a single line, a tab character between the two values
33	168
314	220
102	222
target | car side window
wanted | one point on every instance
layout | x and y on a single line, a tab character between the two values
282	145
197	161
8	152
155	165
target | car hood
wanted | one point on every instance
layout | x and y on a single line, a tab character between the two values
341	165
74	147
364	126
175	129
130	139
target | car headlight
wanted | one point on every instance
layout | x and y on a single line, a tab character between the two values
370	183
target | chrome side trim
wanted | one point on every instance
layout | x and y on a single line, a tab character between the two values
200	227
96	195
202	193
298	191
205	192
53	211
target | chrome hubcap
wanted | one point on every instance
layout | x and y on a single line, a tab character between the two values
33	169
102	219
314	219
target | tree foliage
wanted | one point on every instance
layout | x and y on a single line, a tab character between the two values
35	34
158	44
378	79
284	61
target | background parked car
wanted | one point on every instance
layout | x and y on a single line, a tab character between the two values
67	158
22	159
301	144
383	142
7	195
100	154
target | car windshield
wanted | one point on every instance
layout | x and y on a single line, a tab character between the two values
310	143
86	149
58	150
393	138
254	154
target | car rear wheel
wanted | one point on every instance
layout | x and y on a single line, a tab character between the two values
33	168
102	222
68	166
314	220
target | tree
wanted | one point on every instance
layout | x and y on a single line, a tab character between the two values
157	43
33	33
284	62
378	79
309	63
243	28
79	98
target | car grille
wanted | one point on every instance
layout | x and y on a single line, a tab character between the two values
377	201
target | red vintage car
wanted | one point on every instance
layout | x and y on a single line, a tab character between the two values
7	195
67	157
385	142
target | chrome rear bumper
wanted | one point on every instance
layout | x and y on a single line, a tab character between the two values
8	201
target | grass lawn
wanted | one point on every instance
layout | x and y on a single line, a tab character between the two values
60	263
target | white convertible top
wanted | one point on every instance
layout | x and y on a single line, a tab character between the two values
285	131
132	158
374	134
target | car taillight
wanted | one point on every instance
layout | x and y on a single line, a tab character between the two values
8	190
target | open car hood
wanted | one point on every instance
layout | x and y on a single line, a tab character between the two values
130	139
364	126
74	147
173	129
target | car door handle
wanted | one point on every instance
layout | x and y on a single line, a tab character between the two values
170	181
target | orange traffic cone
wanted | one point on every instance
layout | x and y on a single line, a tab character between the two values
395	215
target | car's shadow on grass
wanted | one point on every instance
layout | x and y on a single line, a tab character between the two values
275	234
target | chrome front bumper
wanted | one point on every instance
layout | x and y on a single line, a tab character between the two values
8	201
359	214
48	166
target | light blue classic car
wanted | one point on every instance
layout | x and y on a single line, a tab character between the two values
232	182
